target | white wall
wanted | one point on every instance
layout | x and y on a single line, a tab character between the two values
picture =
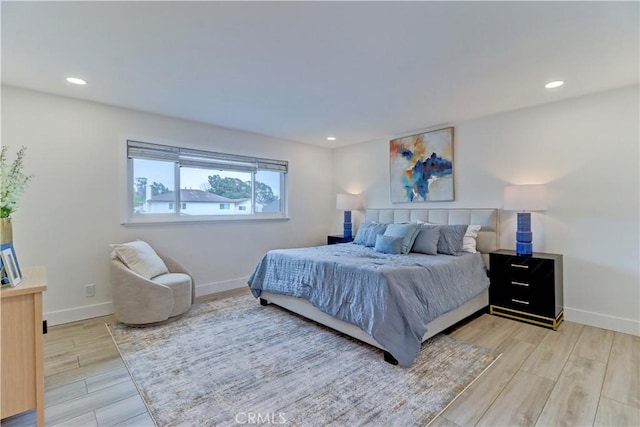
587	151
73	208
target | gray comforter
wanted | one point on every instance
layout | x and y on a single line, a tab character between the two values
390	297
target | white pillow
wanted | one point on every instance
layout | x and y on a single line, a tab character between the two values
141	258
469	239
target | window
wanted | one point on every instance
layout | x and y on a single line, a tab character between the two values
214	185
152	179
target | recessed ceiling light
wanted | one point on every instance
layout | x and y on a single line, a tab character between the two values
554	84
331	138
76	81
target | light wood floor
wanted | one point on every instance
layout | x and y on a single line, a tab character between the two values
576	376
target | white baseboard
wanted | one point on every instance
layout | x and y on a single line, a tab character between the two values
106	308
78	313
604	321
227	285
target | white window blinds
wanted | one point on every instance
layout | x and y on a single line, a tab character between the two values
203	159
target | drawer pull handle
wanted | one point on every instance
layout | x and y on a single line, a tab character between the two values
520	266
519	301
526	285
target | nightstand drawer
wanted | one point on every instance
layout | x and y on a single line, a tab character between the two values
522	269
524	303
533	291
508	291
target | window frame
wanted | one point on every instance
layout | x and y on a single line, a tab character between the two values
201	159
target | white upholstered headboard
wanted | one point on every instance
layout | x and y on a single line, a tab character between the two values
487	240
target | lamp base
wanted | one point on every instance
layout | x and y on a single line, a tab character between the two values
347	233
524	249
524	236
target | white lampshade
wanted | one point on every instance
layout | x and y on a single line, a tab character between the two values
525	198
348	202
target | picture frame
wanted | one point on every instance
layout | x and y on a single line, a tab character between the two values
13	251
10	266
421	167
4	279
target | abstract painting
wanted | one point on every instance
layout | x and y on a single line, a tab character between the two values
421	167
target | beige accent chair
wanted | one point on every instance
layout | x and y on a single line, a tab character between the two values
140	301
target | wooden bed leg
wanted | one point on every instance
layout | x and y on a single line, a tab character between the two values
264	301
389	358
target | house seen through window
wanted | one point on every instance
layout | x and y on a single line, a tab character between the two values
209	183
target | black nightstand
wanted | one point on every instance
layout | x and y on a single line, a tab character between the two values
332	240
526	288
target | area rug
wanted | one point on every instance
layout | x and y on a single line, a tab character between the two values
232	361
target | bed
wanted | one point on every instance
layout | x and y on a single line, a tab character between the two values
380	305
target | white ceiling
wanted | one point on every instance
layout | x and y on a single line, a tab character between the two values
306	70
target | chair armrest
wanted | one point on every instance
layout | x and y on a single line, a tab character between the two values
175	267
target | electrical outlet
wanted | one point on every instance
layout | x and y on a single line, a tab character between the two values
90	290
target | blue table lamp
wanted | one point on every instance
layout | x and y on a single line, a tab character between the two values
348	203
524	199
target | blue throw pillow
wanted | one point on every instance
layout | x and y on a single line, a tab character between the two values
367	233
427	241
388	244
374	231
361	235
451	238
408	232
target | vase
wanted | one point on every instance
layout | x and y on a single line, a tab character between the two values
6	231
